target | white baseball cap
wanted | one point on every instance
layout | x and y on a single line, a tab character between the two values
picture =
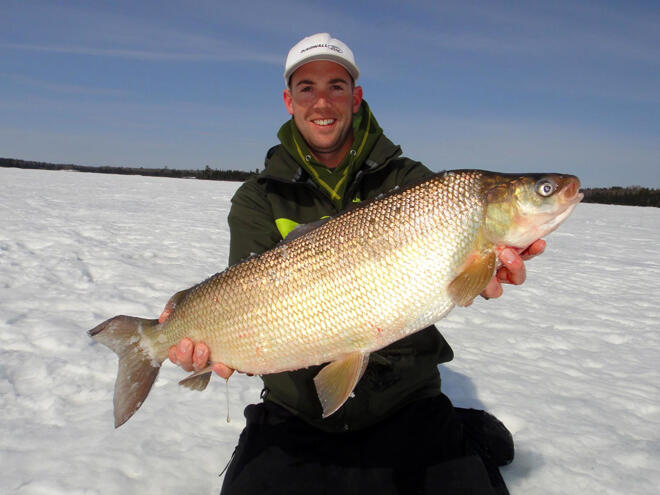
320	46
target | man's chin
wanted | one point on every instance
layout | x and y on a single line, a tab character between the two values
324	146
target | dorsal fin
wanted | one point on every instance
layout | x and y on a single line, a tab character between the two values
304	228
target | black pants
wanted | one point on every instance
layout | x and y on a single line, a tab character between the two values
424	448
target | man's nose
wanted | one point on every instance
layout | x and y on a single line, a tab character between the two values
322	99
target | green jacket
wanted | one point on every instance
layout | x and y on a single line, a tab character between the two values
293	190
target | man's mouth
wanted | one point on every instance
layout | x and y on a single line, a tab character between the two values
324	122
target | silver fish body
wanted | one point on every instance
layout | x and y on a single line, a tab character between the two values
350	286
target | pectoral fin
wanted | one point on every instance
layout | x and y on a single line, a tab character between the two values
335	382
198	380
473	278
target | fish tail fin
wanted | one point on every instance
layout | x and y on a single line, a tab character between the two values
138	368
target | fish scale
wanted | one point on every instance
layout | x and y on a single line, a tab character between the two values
352	285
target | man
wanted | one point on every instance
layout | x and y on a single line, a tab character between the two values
398	433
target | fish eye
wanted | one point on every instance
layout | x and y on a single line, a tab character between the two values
545	187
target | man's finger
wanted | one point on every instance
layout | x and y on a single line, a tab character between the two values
172	355
512	270
201	356
222	370
493	289
184	351
536	248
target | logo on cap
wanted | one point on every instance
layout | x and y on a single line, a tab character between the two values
334	48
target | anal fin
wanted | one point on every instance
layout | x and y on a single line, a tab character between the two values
473	278
198	380
336	381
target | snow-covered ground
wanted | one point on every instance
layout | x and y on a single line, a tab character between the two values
570	361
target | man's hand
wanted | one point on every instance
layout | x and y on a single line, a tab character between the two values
512	270
193	356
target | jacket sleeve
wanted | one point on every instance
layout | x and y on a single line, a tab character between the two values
252	229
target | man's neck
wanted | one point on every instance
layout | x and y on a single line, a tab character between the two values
333	159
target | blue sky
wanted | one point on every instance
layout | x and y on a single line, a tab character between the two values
511	86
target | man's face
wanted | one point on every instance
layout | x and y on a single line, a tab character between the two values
322	100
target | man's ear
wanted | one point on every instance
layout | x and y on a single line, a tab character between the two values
288	101
357	98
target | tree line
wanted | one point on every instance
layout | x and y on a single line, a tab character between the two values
632	196
207	173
